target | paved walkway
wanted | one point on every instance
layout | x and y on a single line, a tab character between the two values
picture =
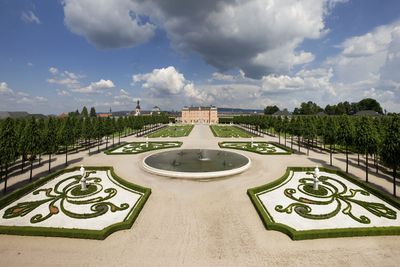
193	223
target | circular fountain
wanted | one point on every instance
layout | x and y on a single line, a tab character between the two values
196	163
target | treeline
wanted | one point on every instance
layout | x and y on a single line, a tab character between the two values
375	137
342	108
29	138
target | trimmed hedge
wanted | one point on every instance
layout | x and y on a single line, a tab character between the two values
73	233
288	150
109	152
321	233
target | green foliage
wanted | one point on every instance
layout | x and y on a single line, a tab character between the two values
269	110
263	148
84	112
93	112
140	147
309	108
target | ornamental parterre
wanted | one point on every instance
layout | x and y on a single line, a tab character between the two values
265	148
140	147
338	205
60	203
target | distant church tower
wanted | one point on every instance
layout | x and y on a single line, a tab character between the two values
137	111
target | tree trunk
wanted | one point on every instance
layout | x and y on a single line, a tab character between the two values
366	167
358	159
291	142
98	144
330	152
66	155
285	138
279	134
376	163
347	160
40	159
308	147
298	142
49	162
30	175
107	142
119	138
5	181
394	180
113	138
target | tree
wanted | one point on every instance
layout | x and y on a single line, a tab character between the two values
84	112
8	146
33	137
120	128
391	147
93	112
370	104
270	110
42	140
21	141
330	135
346	136
309	108
309	131
65	136
50	135
366	140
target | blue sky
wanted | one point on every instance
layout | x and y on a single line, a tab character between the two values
57	56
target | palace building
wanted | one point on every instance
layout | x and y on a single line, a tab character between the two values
200	115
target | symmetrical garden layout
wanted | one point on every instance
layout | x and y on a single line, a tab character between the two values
56	205
229	131
264	148
172	131
341	206
140	147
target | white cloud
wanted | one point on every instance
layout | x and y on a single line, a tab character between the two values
4	89
63	93
107	24
53	70
29	64
30	17
223	77
95	87
162	81
257	36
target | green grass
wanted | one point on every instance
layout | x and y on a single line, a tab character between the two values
172	131
72	233
229	131
270	224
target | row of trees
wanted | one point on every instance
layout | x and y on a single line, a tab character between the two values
342	108
29	139
377	138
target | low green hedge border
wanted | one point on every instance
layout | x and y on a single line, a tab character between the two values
288	150
73	233
109	152
325	233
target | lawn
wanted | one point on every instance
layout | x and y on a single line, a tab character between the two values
229	131
140	147
172	131
264	148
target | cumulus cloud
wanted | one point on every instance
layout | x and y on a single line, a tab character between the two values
170	83
53	70
256	36
108	24
30	17
95	87
4	89
63	93
162	81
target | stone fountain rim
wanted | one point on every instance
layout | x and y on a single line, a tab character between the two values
195	175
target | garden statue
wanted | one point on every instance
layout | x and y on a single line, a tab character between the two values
83	179
316	181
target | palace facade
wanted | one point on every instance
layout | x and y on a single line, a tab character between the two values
200	115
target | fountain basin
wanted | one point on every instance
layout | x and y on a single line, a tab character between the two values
196	163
